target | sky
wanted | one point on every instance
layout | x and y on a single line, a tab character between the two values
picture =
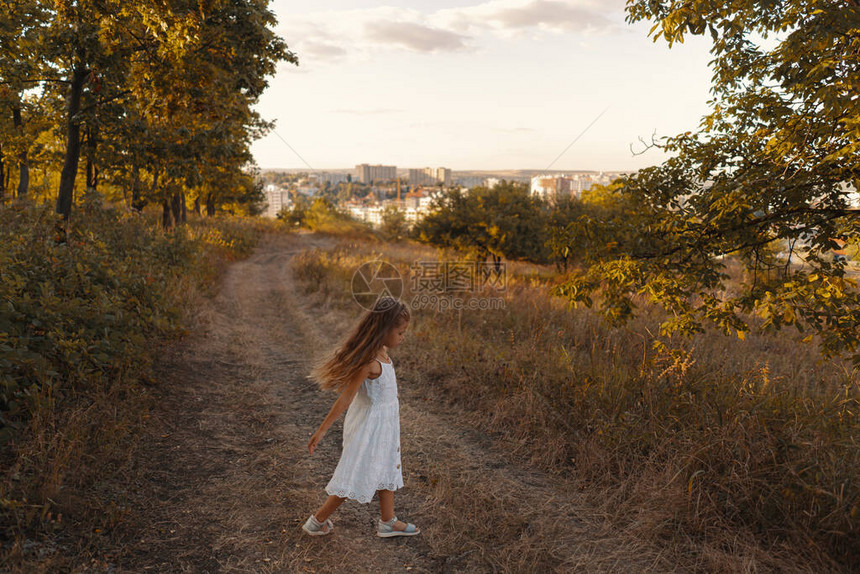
470	85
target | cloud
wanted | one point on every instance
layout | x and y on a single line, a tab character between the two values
335	35
552	15
322	50
417	37
514	16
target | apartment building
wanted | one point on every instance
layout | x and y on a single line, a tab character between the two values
277	198
430	176
366	173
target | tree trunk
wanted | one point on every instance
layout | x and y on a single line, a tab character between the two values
210	205
73	143
154	186
197	205
90	182
166	219
7	180
135	187
23	168
2	176
92	170
176	208
184	208
89	158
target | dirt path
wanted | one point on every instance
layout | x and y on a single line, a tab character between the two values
228	466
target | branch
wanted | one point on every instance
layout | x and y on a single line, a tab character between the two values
765	241
648	146
141	43
36	81
830	214
106	100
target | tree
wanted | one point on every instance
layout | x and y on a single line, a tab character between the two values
394	226
22	66
87	40
773	163
568	226
504	221
295	216
204	104
154	90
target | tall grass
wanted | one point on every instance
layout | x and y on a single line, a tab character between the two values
82	315
699	442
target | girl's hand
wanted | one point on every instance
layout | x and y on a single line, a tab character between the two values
315	440
341	404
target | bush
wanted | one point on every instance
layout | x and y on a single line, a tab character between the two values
323	216
81	314
394	226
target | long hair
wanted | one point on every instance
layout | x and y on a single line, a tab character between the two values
361	346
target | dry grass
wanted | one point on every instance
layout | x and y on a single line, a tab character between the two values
58	486
733	456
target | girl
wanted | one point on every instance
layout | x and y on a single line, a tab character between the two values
363	373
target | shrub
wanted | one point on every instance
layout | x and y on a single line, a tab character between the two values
81	316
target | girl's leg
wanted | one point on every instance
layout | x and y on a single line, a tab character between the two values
386	504
329	506
386	508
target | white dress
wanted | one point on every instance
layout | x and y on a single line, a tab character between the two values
370	460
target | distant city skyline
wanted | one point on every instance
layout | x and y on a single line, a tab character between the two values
404	170
476	86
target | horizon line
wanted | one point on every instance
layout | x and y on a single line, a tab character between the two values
451	168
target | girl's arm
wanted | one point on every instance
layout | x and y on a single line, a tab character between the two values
339	406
